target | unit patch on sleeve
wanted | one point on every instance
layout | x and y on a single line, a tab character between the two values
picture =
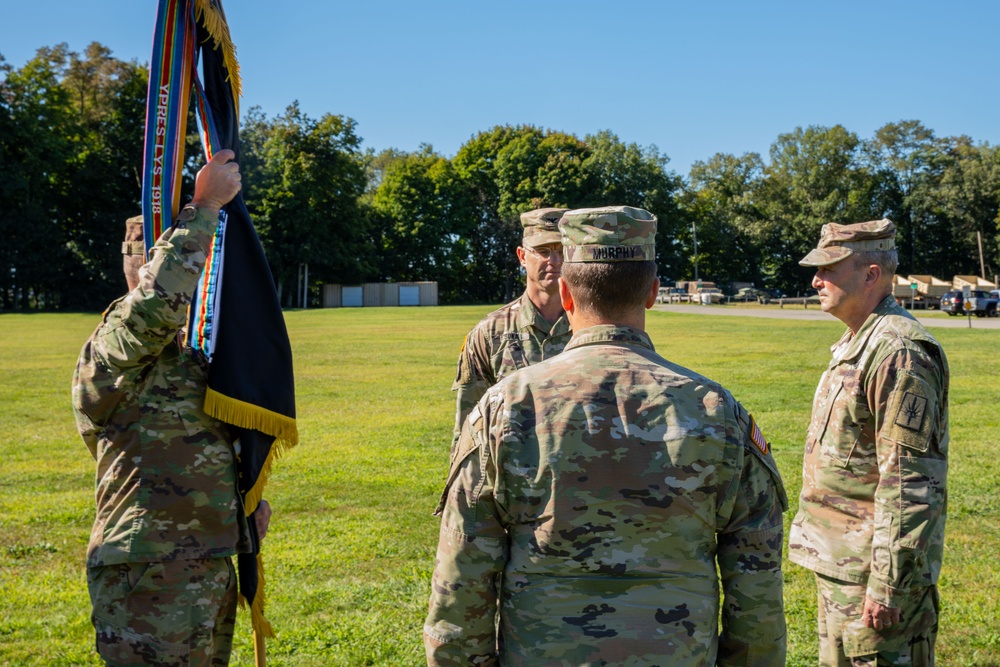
911	411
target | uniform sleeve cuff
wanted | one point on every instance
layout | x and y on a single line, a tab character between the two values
883	594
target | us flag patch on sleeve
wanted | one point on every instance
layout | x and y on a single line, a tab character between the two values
757	437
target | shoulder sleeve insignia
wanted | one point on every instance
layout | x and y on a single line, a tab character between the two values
463	374
910	414
763	454
757	437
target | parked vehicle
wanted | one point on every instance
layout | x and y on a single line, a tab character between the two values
952	301
984	304
671	294
708	295
981	302
751	294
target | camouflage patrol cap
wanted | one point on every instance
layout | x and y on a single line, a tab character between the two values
540	226
608	234
133	250
837	242
133	243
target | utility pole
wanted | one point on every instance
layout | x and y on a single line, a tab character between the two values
694	234
982	265
304	285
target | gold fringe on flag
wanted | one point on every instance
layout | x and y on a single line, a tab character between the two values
213	20
247	415
260	624
257	491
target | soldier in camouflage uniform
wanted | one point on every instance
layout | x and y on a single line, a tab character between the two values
523	332
594	495
168	514
871	515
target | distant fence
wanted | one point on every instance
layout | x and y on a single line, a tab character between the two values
372	295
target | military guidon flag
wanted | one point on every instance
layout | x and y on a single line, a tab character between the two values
236	324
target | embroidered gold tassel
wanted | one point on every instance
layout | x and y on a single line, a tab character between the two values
217	27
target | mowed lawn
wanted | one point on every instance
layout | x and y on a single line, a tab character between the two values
352	540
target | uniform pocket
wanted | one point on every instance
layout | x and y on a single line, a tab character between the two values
132	574
860	640
129	615
513	359
922	494
846	417
919	613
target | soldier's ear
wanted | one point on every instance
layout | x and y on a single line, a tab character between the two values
520	255
565	297
654	291
873	275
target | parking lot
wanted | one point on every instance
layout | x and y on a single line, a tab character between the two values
814	313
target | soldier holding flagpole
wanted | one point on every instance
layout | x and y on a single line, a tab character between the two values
169	517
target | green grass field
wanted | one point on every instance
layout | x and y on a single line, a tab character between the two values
352	540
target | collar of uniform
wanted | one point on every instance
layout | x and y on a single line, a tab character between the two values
609	333
857	343
530	317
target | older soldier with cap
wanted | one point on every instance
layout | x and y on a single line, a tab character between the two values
599	500
523	332
168	514
871	515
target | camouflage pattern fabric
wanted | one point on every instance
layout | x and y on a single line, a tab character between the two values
608	234
846	642
839	242
873	503
171	614
509	338
592	498
540	226
166	477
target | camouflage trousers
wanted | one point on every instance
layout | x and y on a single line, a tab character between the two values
167	614
844	641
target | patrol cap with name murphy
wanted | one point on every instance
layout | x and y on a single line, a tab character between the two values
837	242
608	234
540	226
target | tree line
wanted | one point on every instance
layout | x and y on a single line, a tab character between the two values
71	139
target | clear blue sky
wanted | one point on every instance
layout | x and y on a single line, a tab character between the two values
693	78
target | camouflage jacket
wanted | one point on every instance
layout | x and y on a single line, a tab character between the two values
872	509
507	339
166	476
592	498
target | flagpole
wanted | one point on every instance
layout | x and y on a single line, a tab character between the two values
259	649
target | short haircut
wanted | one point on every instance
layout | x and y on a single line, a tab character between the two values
887	260
610	290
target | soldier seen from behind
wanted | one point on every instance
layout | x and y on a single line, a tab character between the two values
169	517
600	501
871	515
523	332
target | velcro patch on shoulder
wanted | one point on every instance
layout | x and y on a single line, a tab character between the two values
463	375
467	440
911	415
761	450
470	441
758	438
